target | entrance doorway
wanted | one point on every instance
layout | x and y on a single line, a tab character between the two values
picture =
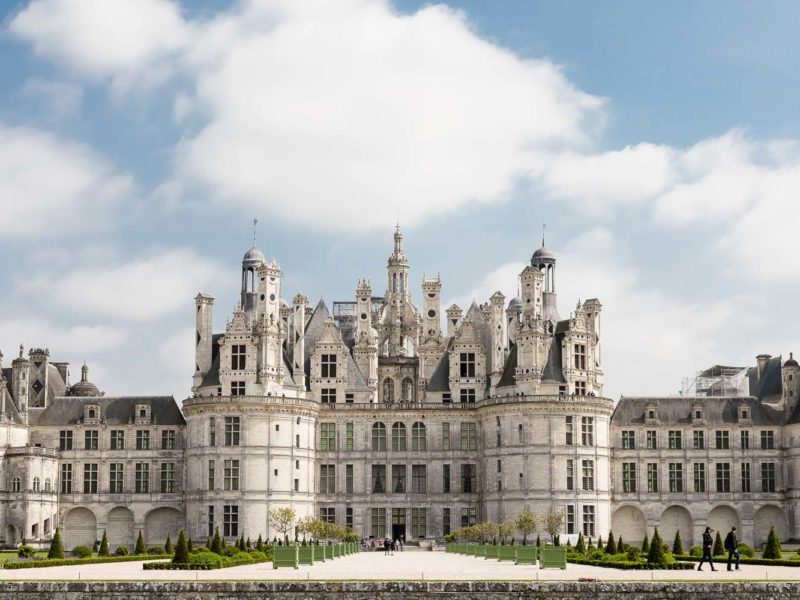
399	532
399	524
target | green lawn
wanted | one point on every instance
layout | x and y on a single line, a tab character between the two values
9	554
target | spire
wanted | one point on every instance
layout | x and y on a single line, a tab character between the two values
544	226
398	241
255	222
84	372
21	349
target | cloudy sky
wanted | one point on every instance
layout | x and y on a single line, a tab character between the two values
659	142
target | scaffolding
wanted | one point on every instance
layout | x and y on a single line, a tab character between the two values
719	380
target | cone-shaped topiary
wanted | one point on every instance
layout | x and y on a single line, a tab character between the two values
240	544
189	544
56	546
247	544
208	542
589	546
181	550
216	544
538	541
620	545
719	548
645	545
656	556
600	543
168	549
260	544
580	545
569	545
611	545
104	551
773	547
677	545
140	546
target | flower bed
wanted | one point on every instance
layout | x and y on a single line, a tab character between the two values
62	562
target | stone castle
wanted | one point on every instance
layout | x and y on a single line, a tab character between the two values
374	417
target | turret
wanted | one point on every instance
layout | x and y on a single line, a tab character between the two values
20	378
204	305
251	262
513	313
790	378
431	317
453	319
397	271
545	262
531	282
299	302
497	352
39	376
365	351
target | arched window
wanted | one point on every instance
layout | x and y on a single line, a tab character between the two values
419	441
47	486
408	390
388	391
15	484
379	437
399	437
36	484
394	282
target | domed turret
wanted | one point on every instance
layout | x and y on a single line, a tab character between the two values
254	256
84	388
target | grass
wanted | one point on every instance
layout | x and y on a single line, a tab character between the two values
12	554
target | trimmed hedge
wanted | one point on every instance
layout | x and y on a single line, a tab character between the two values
774	562
63	562
631	566
214	561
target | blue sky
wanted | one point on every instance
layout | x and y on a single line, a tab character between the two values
659	142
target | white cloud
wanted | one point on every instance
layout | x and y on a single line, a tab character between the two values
37	332
60	98
50	187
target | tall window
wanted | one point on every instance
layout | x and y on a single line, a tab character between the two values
327	479
419	479
580	356
469	482
419	522
66	478
231	474
238	357
232	425
746	478
570	474
348	479
467	364
699	477
65	440
90	471
115	478
117	439
211	526
445	436
378	479
327	514
699	439
142	478
467	395
745	440
587	431
230	520
723	477
90	439
767	440
398	437
628	440
398	479
652	442
580	388
167	478
142	439
587	468
16	484
569	517
168	439
570	431
212	431
407	390
328	366
419	440
238	388
675	440
588	520
328	395
768	477
676	477
388	391
723	440
469	436
327	437
212	474
348	518
378	522
445	479
469	516
446	526
629	477
652	477
348	441
379	437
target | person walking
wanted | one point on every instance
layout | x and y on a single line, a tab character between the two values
732	546
400	541
708	543
386	545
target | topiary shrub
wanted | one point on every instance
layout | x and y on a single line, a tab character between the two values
621	546
773	548
140	547
104	549
56	546
633	554
122	551
217	544
260	544
746	550
677	544
26	551
189	544
181	550
696	551
611	545
596	555
155	550
168	549
656	556
82	551
580	545
719	547
645	545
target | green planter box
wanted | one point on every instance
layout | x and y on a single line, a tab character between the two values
492	552
507	553
526	555
285	556
319	553
328	552
553	557
306	555
480	550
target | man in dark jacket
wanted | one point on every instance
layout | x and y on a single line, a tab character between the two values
708	543
732	546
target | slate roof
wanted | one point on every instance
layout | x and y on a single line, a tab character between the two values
113	411
678	410
553	369
768	386
507	378
440	379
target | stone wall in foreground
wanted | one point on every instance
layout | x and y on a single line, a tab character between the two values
478	590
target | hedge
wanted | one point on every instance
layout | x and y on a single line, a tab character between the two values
774	562
631	566
63	562
223	563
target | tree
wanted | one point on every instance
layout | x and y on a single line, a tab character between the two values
526	523
260	543
282	519
181	550
488	530
217	544
580	545
538	541
56	546
168	549
600	543
240	543
189	544
677	545
140	546
553	519
620	544
506	530
104	551
208	542
589	546
656	556
317	529
611	545
645	545
302	526
773	546
247	544
719	547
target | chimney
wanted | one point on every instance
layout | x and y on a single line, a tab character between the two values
761	361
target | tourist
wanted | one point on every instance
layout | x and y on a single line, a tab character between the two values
708	543
400	541
386	546
732	546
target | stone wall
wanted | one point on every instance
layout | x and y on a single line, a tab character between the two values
485	590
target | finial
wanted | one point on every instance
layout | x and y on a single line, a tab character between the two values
544	226
255	222
20	350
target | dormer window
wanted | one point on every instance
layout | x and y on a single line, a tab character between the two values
698	414
142	414
91	413
651	414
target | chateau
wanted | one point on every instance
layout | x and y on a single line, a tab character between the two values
369	414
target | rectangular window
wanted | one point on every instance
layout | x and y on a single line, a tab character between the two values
296	485
699	440
588	520
419	522
768	477
348	479
723	477
419	438
652	442
66	479
230	474
628	440
446	479
587	431
90	439
232	425
445	436
117	439
398	437
676	478
570	474
467	395
168	439
65	440
746	479
211	526
587	469
745	439
348	518
652	477
469	482
327	514
569	516
379	437
230	520
467	364
168	478
142	439
378	479
629	477
142	478
699	477
212	468
328	366
90	471
327	479
327	437
723	440
675	440
469	436
580	388
238	357
378	518
580	357
237	388
212	431
115	478
767	440
469	516
419	479
328	395
297	440
446	527
398	479
348	444
570	431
